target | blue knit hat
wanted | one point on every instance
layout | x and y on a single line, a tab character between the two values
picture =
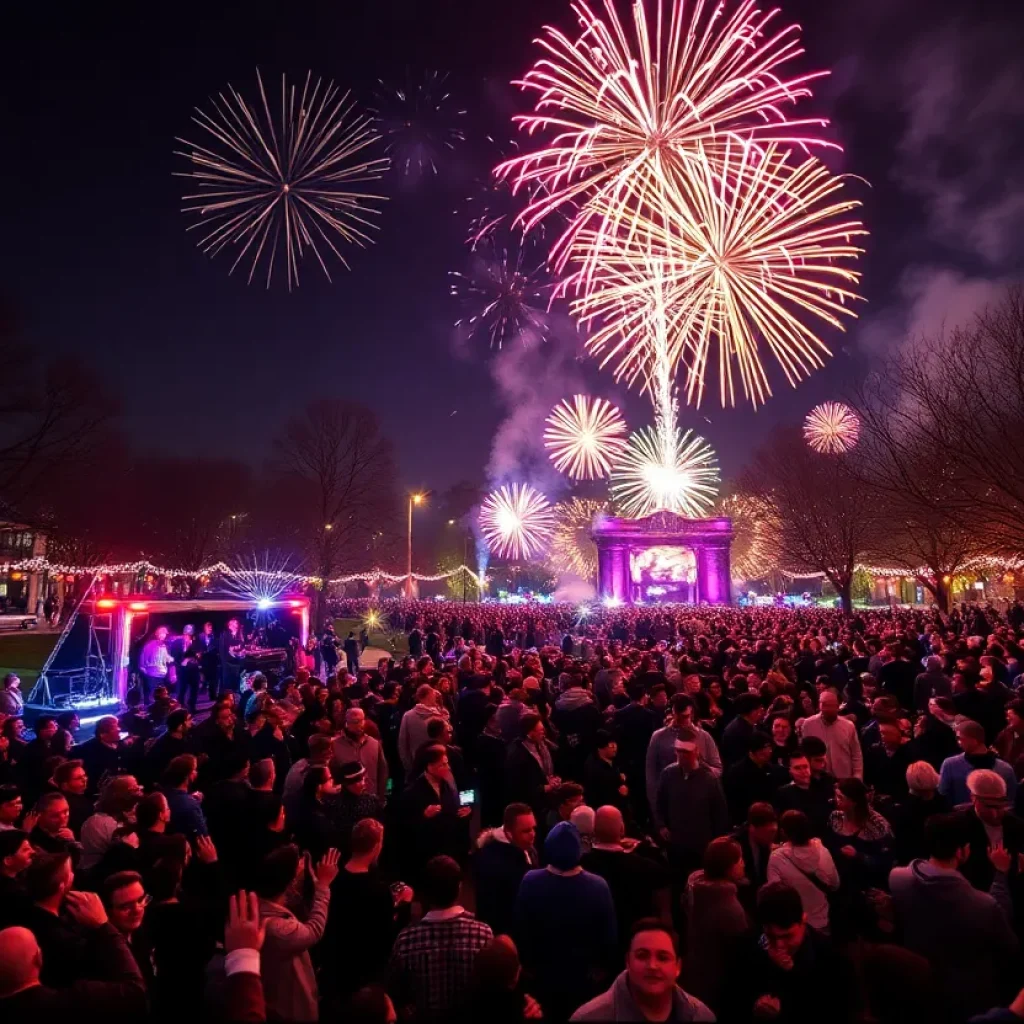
562	847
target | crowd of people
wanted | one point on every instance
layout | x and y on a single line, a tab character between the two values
678	813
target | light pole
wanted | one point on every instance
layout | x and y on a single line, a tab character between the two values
414	499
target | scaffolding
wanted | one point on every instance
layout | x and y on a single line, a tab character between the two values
89	683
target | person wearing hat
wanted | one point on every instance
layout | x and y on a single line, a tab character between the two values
352	802
690	808
989	823
567	927
354	743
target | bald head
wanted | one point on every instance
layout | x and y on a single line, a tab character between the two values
20	961
608	825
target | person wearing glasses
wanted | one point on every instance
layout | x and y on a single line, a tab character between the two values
126	899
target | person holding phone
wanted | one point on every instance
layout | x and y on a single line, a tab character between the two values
435	821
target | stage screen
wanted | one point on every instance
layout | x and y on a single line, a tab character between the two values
666	573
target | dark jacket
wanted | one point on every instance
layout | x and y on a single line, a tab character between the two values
692	807
116	990
601	782
577	719
815	802
715	923
963	933
525	779
746	783
498	868
735	743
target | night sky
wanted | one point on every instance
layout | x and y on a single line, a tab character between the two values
927	99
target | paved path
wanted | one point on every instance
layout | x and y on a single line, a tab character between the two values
369	658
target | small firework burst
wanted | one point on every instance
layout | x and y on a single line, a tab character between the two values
420	122
516	521
584	436
832	428
680	475
572	546
505	292
292	183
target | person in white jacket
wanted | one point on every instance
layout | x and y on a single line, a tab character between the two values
806	865
412	732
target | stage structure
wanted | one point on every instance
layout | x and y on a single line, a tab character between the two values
663	558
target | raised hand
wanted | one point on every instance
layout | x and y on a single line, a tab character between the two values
328	868
244	930
86	908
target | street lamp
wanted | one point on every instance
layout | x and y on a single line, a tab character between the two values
414	499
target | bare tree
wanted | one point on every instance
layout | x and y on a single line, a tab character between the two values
959	398
823	519
335	473
49	418
918	486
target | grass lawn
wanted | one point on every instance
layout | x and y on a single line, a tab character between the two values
396	643
24	652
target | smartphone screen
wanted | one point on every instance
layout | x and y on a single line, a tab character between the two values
467	797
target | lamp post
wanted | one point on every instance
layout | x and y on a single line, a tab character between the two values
414	499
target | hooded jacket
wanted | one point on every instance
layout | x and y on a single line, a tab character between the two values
498	868
617	1004
962	932
714	922
792	865
577	719
412	733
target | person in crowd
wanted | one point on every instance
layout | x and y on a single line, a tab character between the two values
368	914
661	752
105	755
315	827
911	814
756	838
114	815
716	920
156	662
12	702
976	754
351	803
603	781
989	825
843	756
489	755
565	925
16	855
432	961
965	934
289	980
647	989
495	989
577	719
503	857
71	780
51	833
353	743
412	733
637	877
434	820
439	732
220	744
690	808
125	900
802	794
320	754
529	768
886	760
11	807
748	712
932	682
752	780
1009	744
187	816
173	743
860	838
805	864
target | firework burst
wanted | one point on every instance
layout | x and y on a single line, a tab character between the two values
754	551
584	436
832	428
572	547
624	106
678	473
290	183
516	521
420	121
505	293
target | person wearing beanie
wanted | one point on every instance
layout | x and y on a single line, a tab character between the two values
565	926
911	814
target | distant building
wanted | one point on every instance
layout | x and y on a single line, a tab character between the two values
19	589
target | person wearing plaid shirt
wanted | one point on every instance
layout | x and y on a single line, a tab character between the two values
432	961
